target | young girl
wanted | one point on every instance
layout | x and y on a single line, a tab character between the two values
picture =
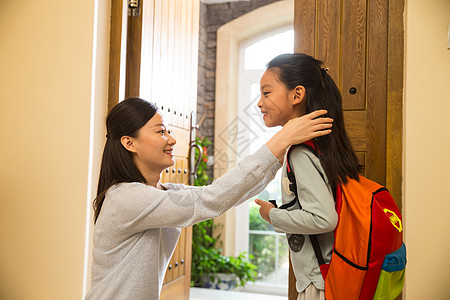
292	86
138	219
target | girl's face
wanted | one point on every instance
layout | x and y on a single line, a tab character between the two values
153	146
277	101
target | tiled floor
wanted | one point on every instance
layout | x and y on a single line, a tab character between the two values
209	294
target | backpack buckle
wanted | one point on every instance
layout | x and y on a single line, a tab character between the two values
274	203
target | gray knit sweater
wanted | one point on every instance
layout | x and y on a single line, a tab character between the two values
139	226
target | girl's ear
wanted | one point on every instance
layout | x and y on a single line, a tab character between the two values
128	143
299	94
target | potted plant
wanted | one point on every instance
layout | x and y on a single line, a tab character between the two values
210	268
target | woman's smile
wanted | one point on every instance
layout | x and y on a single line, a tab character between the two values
169	152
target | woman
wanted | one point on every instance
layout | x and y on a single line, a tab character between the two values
138	219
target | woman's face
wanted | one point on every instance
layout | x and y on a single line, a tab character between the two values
275	103
153	146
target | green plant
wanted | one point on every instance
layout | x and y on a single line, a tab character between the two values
207	261
202	177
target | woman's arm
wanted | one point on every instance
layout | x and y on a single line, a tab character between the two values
136	207
299	130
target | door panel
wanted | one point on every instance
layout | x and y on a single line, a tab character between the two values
304	26
148	42
328	41
355	124
350	39
154	54
353	54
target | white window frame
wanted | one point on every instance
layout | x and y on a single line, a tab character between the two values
245	78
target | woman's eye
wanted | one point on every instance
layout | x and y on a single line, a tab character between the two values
169	131
266	93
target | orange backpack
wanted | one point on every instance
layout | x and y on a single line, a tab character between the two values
369	256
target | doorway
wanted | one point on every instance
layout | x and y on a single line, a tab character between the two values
255	236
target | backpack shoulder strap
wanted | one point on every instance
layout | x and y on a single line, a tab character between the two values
290	174
311	146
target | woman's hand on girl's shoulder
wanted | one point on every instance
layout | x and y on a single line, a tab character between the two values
304	128
299	130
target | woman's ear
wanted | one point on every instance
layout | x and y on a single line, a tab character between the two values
299	94
128	143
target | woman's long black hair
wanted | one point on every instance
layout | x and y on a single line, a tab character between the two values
336	154
124	119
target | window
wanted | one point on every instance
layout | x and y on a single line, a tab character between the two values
254	235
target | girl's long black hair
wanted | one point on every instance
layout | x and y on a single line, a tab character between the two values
336	153
124	119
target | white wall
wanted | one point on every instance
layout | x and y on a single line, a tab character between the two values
427	149
47	84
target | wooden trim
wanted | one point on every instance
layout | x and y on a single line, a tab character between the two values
133	67
376	88
115	52
292	289
394	131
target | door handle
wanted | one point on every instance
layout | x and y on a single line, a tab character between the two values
194	164
193	173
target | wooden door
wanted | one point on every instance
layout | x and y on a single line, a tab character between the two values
154	55
355	40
